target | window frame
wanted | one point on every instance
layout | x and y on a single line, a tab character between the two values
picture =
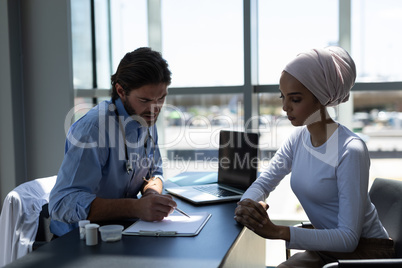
250	89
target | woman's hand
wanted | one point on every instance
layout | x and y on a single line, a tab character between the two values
254	216
251	214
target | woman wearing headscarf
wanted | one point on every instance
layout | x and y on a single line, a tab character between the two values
329	167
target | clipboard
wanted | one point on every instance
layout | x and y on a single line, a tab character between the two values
173	225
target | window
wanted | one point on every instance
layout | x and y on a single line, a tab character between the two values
378	119
191	129
203	42
129	28
207	52
274	126
289	27
81	39
102	32
376	41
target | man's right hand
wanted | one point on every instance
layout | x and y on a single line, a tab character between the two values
155	207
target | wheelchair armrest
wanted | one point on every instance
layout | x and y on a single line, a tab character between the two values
331	265
305	224
397	262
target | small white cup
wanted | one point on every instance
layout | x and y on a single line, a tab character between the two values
91	234
82	224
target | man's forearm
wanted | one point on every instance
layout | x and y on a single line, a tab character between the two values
113	209
123	208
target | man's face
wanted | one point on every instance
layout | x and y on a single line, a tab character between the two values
145	102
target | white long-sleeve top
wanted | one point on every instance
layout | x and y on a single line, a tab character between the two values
331	183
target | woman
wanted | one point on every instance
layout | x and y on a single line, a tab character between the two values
329	165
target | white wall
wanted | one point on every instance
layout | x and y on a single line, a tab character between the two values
36	88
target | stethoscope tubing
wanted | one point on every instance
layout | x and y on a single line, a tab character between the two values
129	166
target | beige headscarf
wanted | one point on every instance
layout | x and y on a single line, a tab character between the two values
328	73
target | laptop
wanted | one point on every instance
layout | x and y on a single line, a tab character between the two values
238	161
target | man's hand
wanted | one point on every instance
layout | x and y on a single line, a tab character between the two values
154	206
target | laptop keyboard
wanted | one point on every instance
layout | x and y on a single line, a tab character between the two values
215	190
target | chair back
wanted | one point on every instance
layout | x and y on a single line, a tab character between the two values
20	217
386	195
43	235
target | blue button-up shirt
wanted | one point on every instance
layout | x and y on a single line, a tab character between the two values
95	160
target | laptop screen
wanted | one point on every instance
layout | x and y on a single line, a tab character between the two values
238	158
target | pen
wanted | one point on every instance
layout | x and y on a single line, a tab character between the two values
182	212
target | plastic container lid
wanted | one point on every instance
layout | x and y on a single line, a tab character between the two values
91	226
111	233
83	223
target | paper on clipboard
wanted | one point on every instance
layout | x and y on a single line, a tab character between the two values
174	225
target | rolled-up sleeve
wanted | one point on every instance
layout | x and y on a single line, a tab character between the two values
79	175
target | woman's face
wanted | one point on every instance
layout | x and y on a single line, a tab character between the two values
300	105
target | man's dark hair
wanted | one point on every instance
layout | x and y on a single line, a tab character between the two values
138	68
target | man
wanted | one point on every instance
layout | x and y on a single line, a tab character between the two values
112	154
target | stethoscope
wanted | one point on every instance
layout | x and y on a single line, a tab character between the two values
129	165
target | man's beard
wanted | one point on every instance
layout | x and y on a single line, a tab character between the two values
131	112
129	109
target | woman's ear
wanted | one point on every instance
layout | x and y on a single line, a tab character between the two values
120	91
